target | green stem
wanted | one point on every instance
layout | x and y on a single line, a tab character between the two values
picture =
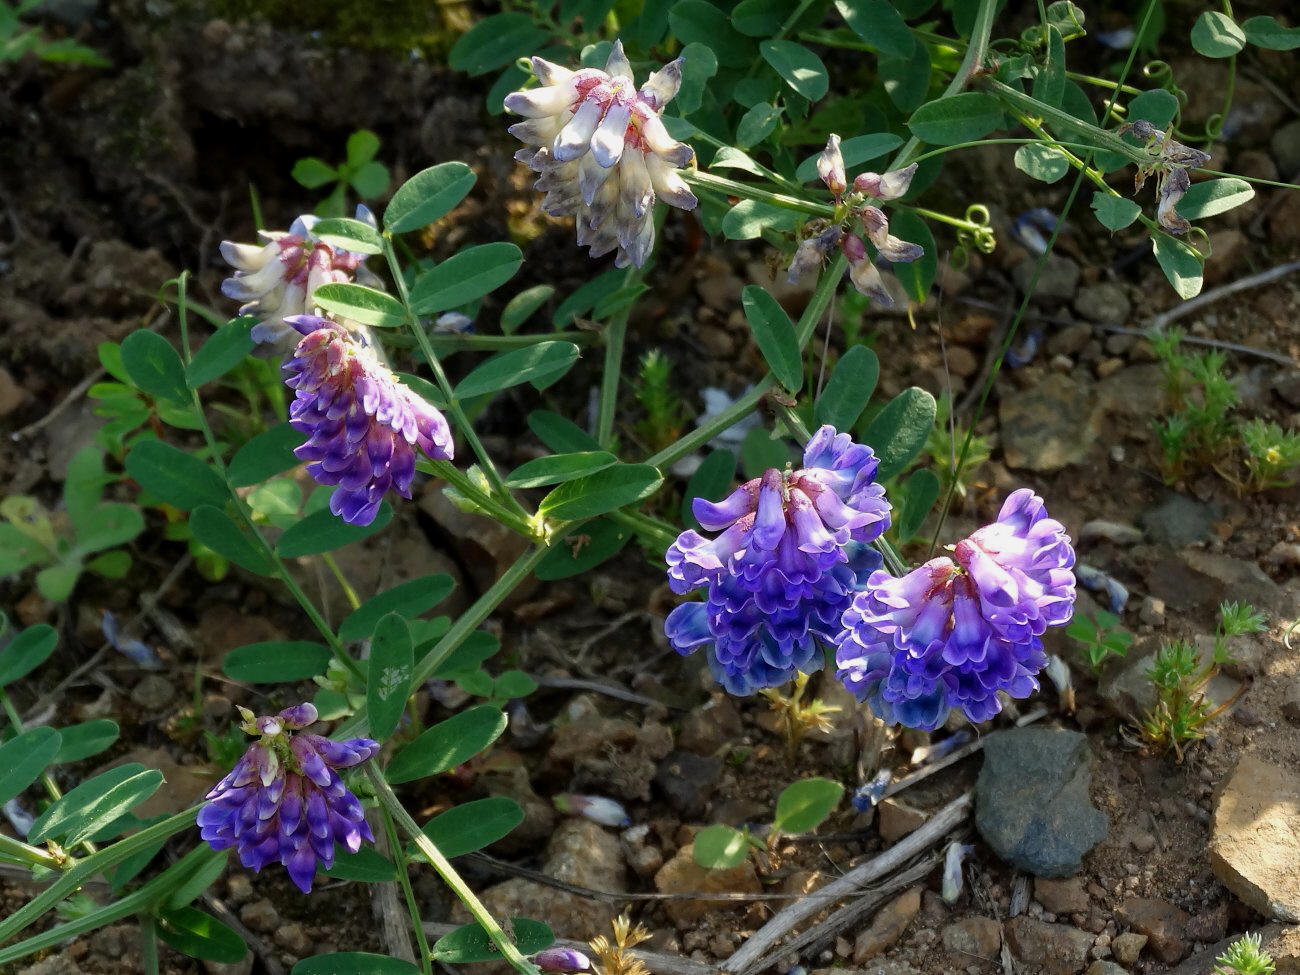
245	515
615	336
721	184
943	150
745	405
793	19
1252	179
453	404
91	866
349	593
448	873
458	479
1088	79
148	944
1103	138
661	532
456	343
404	879
24	854
794	422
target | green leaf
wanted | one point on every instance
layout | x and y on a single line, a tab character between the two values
958	118
353	963
1184	268
558	468
540	363
711	481
154	366
200	935
917	276
899	431
1114	212
804	805
95	803
879	25
586	297
856	151
848	390
362	147
209	864
428	195
699	65
700	22
919	494
1214	196
774	333
1157	106
760	18
27	651
83	740
111	565
213	527
513	684
108	525
494	42
83	487
1041	162
389	675
313	173
408	600
755	126
472	944
174	476
276	661
720	847
801	68
1216	35
23	759
522	305
729	157
749	218
906	80
560	434
265	455
57	582
759	452
471	826
361	304
371	180
600	493
365	866
324	531
349	234
1049	84
1264	31
465	277
469	656
447	744
583	551
225	348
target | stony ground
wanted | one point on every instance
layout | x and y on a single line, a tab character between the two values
121	180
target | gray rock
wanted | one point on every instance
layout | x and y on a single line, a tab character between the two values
1031	800
1103	967
153	693
1285	145
1128	946
1052	947
1058	281
1287	386
1255	843
1049	426
1180	520
687	780
1103	303
1070	340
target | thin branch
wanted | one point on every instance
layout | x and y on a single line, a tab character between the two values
1157	323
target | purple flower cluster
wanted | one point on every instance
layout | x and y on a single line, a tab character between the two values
954	632
362	423
284	801
860	217
1170	160
791	552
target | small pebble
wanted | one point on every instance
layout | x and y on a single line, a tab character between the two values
1144	842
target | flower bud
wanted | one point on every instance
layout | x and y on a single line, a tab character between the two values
886	186
830	166
562	960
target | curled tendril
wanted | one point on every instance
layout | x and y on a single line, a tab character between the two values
981	235
1203	242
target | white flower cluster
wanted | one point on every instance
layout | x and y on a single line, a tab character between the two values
603	152
278	279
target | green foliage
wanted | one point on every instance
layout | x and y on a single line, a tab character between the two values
1101	635
359	172
943	446
18	40
664	413
1245	957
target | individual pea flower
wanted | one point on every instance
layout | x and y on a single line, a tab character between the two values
940	749
562	960
791	552
856	217
870	793
278	280
598	809
363	424
284	801
603	152
955	632
1171	160
952	875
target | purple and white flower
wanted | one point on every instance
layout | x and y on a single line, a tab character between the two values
278	279
284	801
602	151
791	551
857	217
1170	160
363	424
955	632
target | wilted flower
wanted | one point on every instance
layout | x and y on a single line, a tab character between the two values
791	553
598	809
278	279
940	749
856	217
952	875
284	801
1171	160
1173	185
602	151
952	633
870	793
562	960
363	424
